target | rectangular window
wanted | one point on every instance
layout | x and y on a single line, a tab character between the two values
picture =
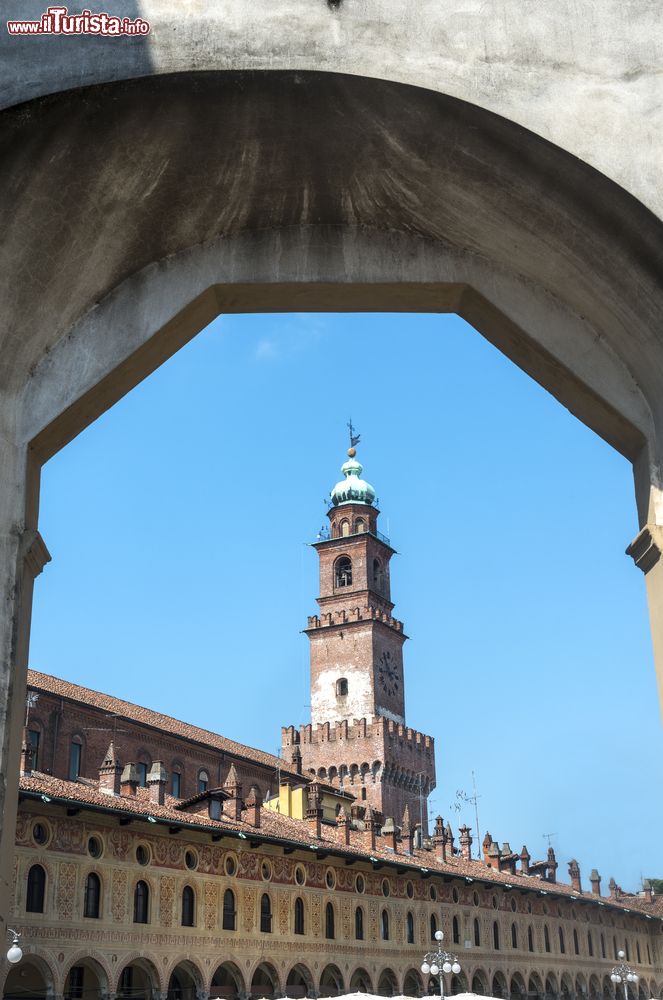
34	749
141	769
177	784
74	761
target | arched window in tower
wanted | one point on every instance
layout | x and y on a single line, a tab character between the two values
385	925
590	944
141	902
477	934
329	922
34	902
92	895
360	525
266	914
530	939
343	572
546	937
455	930
345	528
496	936
203	781
378	576
229	911
410	928
602	946
341	687
433	926
188	905
576	943
514	936
359	924
562	945
299	915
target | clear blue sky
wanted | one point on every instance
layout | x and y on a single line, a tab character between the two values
181	577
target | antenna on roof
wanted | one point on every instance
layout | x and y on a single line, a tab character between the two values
548	837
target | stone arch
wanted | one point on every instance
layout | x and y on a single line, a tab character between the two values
227	982
498	985
612	385
607	988
479	982
299	982
517	987
412	984
459	983
264	981
566	985
33	978
360	981
581	985
93	962
185	979
594	987
146	973
331	981
535	985
388	983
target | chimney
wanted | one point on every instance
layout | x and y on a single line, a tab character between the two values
390	833
465	842
129	780
26	755
407	831
296	758
552	866
344	825
233	787
595	881
440	839
369	829
156	782
110	773
314	810
486	845
613	888
253	805
648	890
449	838
494	856
574	875
524	860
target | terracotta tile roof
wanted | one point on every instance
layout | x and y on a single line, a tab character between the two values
279	828
145	716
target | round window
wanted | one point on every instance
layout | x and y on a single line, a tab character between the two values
142	854
454	895
266	871
230	865
330	878
300	875
94	847
432	893
385	887
409	888
360	885
40	833
191	860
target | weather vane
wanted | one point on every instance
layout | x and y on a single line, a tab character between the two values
354	438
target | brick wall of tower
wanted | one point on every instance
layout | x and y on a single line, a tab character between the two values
379	762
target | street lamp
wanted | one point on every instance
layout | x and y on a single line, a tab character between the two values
623	973
14	954
436	963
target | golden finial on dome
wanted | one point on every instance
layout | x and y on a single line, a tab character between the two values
354	439
352	452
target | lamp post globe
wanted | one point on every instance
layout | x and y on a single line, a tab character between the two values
439	935
14	954
425	968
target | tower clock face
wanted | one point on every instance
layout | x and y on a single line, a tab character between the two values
388	673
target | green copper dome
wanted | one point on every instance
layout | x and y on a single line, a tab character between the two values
352	489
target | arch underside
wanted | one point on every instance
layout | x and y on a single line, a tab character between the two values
197	194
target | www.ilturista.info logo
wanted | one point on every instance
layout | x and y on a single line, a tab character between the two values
58	21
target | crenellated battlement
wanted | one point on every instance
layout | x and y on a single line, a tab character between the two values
393	734
348	615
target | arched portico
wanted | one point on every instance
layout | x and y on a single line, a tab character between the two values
265	981
185	981
138	980
331	981
299	982
361	982
31	979
388	984
499	985
227	982
85	976
480	982
412	984
577	310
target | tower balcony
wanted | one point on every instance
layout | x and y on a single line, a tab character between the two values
324	536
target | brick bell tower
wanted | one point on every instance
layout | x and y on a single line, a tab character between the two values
358	737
